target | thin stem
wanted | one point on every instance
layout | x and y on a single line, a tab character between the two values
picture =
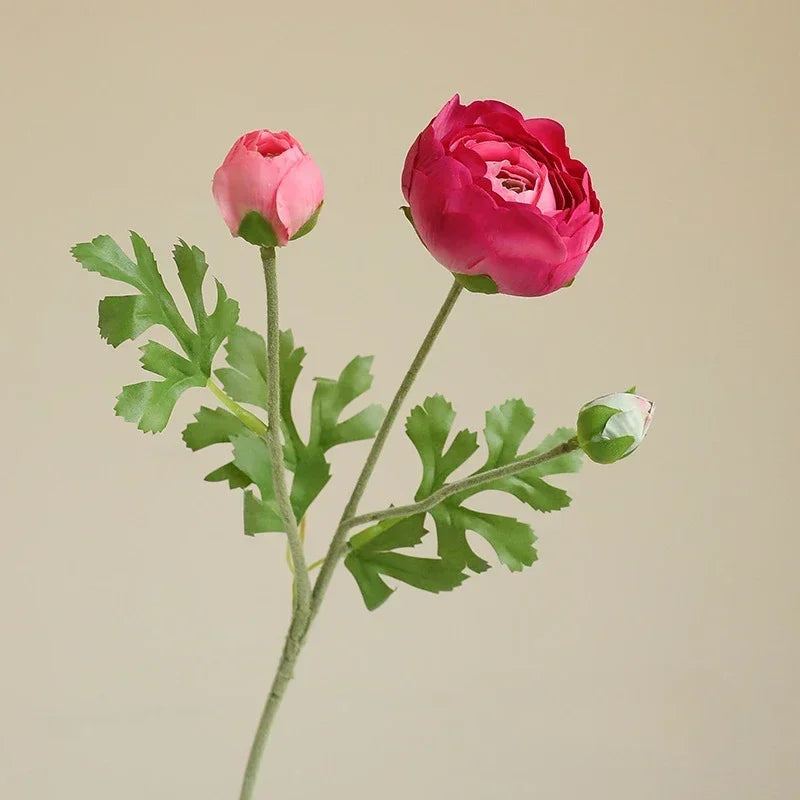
251	420
338	544
471	482
302	587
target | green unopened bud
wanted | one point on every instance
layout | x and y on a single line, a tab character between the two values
612	426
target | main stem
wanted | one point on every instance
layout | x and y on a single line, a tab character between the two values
306	604
337	545
301	604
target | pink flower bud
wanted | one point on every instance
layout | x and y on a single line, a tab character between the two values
268	189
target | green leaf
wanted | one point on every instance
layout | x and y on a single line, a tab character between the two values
511	540
506	428
214	328
245	379
231	473
330	399
311	474
150	404
373	556
260	516
251	456
104	256
126	317
429	427
451	539
212	426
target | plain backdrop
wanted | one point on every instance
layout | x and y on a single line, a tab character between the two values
653	650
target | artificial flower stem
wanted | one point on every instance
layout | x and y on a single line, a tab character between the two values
338	543
302	586
303	614
471	482
251	420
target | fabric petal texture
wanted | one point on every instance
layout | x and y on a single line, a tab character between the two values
492	193
271	174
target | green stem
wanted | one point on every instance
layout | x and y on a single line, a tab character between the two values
306	604
251	420
338	544
302	587
471	482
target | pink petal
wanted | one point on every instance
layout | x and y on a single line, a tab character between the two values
299	194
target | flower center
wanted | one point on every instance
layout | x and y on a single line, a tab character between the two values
514	183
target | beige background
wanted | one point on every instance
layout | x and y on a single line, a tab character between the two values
653	650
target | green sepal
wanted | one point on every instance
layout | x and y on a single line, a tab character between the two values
407	213
308	225
608	451
480	284
592	422
255	229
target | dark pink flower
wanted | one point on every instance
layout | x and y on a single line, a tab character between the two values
499	201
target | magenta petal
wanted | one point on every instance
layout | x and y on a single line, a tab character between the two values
551	134
450	215
525	251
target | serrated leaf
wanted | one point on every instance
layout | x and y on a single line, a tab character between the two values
311	474
214	328
506	428
251	456
511	539
428	426
125	317
231	473
330	399
150	403
212	426
245	379
373	556
451	541
260	516
104	256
